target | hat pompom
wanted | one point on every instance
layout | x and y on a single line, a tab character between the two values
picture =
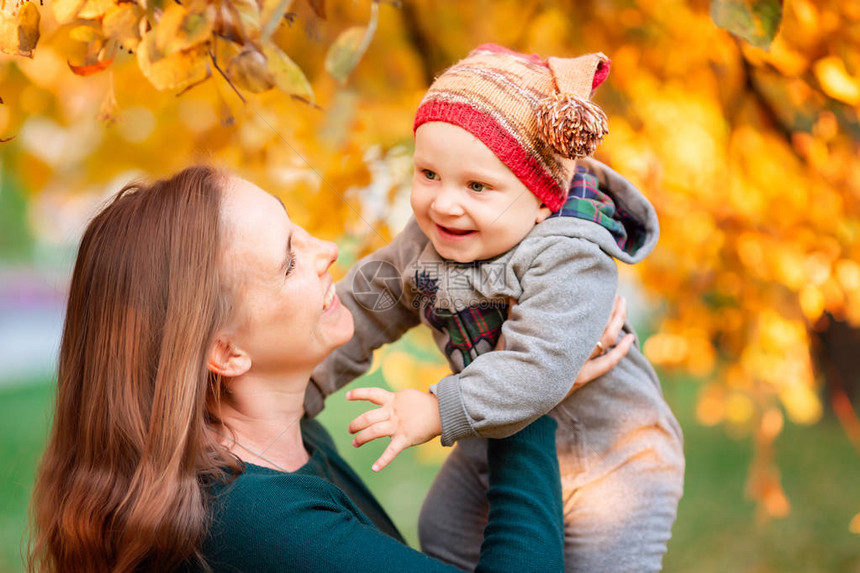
574	127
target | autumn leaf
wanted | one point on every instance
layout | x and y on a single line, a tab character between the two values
756	21
241	20
28	28
122	23
95	9
248	70
271	14
318	6
90	69
86	34
288	76
8	33
19	33
180	29
346	51
175	71
66	10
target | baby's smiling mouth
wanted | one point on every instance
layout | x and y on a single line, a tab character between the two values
456	232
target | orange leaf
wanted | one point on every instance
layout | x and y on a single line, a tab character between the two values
318	6
90	69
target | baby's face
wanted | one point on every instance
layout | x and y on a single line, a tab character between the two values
469	204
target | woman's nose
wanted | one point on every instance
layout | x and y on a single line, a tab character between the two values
326	255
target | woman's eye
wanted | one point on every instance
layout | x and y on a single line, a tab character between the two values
431	175
477	187
292	264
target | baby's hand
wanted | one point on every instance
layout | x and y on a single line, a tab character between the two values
410	417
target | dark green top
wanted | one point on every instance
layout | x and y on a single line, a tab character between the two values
322	518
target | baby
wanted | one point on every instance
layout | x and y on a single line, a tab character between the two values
515	236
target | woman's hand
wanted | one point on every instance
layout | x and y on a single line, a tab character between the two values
410	417
607	354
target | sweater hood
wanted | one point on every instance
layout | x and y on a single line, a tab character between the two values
604	207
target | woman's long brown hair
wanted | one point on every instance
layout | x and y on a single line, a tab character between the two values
122	484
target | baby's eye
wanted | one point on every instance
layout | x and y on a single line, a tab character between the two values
477	187
431	175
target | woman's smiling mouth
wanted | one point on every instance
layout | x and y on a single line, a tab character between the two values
330	297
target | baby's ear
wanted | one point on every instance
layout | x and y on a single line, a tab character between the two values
227	359
543	213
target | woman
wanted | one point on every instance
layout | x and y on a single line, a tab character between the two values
196	313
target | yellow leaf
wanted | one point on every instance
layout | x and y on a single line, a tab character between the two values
248	13
86	34
28	28
93	9
835	80
288	76
178	29
8	33
248	70
318	6
346	51
66	10
271	13
176	71
122	23
19	35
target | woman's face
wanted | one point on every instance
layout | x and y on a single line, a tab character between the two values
288	318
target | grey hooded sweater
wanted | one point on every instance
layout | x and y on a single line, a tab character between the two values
562	278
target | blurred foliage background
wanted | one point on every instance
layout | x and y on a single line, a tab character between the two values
737	118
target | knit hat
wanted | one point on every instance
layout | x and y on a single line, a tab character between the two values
534	114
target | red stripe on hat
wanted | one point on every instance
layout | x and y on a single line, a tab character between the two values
505	146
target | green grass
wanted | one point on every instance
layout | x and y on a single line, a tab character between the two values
716	531
23	426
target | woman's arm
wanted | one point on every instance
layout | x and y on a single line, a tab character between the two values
309	525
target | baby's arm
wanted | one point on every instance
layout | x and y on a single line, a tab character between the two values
568	293
381	308
411	417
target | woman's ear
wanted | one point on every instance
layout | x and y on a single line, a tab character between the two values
543	213
227	359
